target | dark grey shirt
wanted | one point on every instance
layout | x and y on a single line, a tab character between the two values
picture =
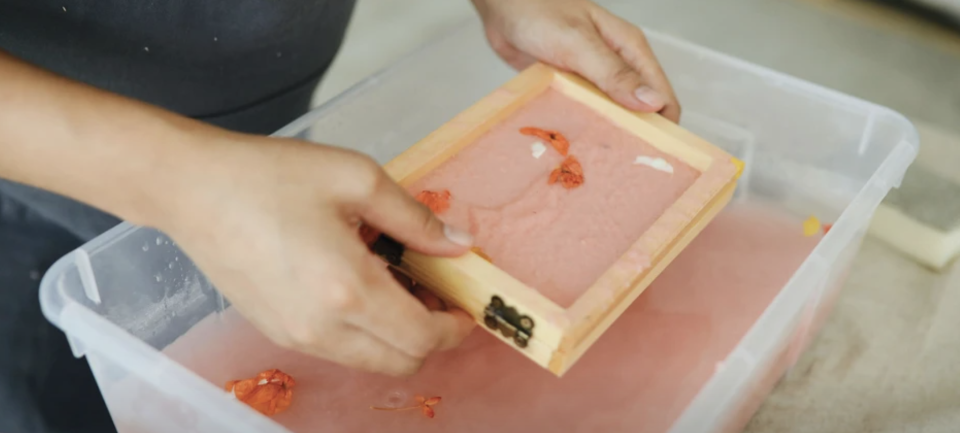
201	58
247	65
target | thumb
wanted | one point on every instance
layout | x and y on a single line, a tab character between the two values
393	211
591	57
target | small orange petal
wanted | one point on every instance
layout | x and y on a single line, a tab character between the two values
438	202
554	175
428	411
570	173
561	144
556	139
269	393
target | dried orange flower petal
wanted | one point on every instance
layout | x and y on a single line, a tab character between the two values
556	139
428	412
569	174
270	393
438	202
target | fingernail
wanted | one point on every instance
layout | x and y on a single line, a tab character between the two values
457	236
649	96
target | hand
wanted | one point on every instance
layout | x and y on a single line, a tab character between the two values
274	224
582	37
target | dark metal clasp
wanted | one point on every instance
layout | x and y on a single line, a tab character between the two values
389	249
510	323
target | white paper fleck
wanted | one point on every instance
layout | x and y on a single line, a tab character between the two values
147	49
656	163
215	39
64	8
538	149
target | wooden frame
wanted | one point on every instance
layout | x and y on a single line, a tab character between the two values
550	335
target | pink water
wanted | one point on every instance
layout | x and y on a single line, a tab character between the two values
556	240
638	377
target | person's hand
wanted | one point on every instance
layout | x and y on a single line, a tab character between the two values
582	37
274	224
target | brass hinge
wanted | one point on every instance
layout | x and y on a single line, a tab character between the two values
510	323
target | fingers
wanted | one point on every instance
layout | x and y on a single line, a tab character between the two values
357	348
389	208
400	319
361	350
459	322
632	46
366	320
590	56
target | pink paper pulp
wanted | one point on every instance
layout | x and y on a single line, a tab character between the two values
556	240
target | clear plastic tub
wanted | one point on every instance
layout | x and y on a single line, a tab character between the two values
129	293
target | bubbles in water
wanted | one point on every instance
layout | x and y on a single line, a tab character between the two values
146	247
159	240
176	259
170	265
158	277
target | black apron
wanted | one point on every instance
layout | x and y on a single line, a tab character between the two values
246	65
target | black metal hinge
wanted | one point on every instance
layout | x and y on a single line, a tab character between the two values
510	323
389	249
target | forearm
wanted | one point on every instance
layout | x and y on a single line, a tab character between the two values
108	151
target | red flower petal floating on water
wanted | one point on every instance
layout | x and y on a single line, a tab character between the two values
270	393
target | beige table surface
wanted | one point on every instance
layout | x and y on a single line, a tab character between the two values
888	359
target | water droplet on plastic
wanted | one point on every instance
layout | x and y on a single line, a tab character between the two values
396	399
159	277
159	241
170	265
146	247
